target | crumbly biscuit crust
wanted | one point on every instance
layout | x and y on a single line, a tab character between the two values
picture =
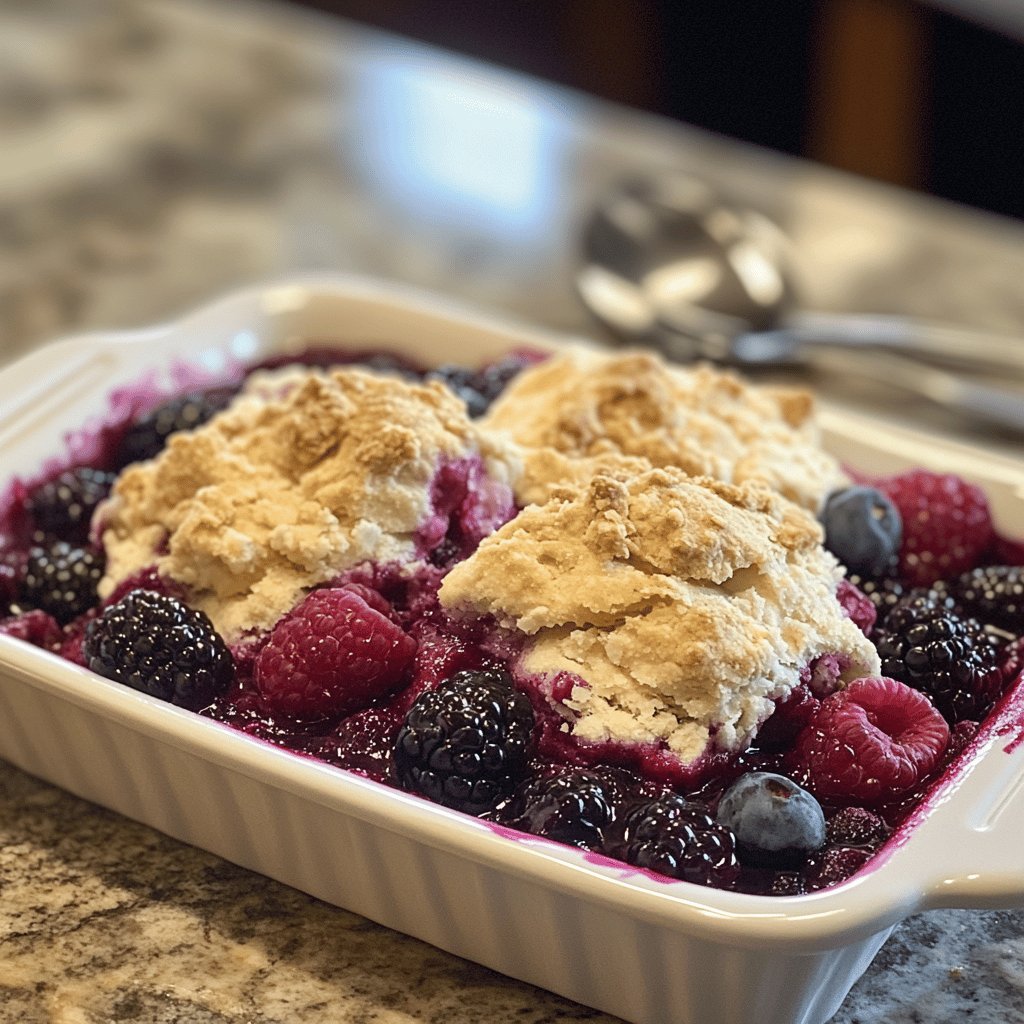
588	405
685	605
300	478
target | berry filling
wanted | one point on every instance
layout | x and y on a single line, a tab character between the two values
370	671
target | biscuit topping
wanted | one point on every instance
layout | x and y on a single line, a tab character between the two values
577	408
685	605
302	477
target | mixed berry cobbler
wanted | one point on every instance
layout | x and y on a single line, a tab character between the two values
628	607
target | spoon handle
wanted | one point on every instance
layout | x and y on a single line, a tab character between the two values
984	403
962	347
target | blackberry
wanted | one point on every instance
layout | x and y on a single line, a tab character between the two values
994	595
147	436
63	507
155	643
462	381
926	645
465	744
678	838
61	579
12	572
863	528
574	807
479	388
444	553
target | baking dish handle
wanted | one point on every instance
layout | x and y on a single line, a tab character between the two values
973	856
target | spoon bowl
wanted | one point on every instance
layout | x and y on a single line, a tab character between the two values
669	264
667	254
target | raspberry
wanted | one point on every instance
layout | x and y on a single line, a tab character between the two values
862	528
775	821
993	594
73	637
62	580
859	608
857	826
63	507
157	644
466	743
374	598
330	656
573	806
362	743
872	741
946	524
925	644
676	837
34	627
145	438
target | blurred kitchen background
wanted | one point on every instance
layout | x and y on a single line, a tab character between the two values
156	153
928	96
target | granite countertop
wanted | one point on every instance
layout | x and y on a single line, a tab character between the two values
157	153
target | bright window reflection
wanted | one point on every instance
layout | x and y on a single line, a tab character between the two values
456	145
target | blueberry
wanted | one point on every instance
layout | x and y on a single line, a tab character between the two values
775	821
863	529
462	382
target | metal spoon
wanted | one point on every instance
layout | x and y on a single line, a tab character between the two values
668	264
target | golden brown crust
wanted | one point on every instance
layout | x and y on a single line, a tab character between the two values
304	475
587	405
687	604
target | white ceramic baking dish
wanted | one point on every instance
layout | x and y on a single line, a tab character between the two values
649	951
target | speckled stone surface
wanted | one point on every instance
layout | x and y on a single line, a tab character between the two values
155	154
